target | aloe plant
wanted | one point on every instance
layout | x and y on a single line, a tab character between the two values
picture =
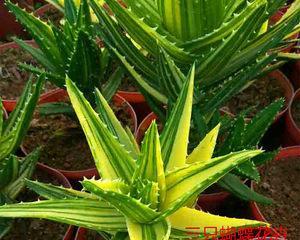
145	193
231	46
69	48
13	170
228	40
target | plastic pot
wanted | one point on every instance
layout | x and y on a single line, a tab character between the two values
287	88
284	153
137	100
144	126
292	131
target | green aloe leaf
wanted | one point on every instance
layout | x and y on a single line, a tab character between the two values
18	122
9	170
110	87
84	65
26	169
52	192
70	11
234	184
171	77
260	123
146	35
113	36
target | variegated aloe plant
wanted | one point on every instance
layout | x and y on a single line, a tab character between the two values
69	48
13	171
232	46
142	194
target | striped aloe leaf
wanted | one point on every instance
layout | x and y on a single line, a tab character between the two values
139	196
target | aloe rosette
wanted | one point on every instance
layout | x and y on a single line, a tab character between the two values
232	46
70	48
146	193
229	40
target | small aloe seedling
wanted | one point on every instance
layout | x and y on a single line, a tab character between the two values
12	170
69	49
143	194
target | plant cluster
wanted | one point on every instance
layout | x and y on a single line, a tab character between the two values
13	171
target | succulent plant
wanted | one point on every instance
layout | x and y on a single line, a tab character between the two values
13	170
145	193
229	40
231	46
69	48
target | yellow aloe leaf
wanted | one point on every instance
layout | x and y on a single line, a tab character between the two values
204	151
174	139
115	185
158	231
192	218
183	184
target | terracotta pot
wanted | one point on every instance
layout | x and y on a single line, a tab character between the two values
292	131
64	182
284	153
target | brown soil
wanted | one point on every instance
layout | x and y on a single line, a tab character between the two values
259	95
128	85
35	229
215	188
52	15
296	112
123	116
64	143
12	78
93	235
280	181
